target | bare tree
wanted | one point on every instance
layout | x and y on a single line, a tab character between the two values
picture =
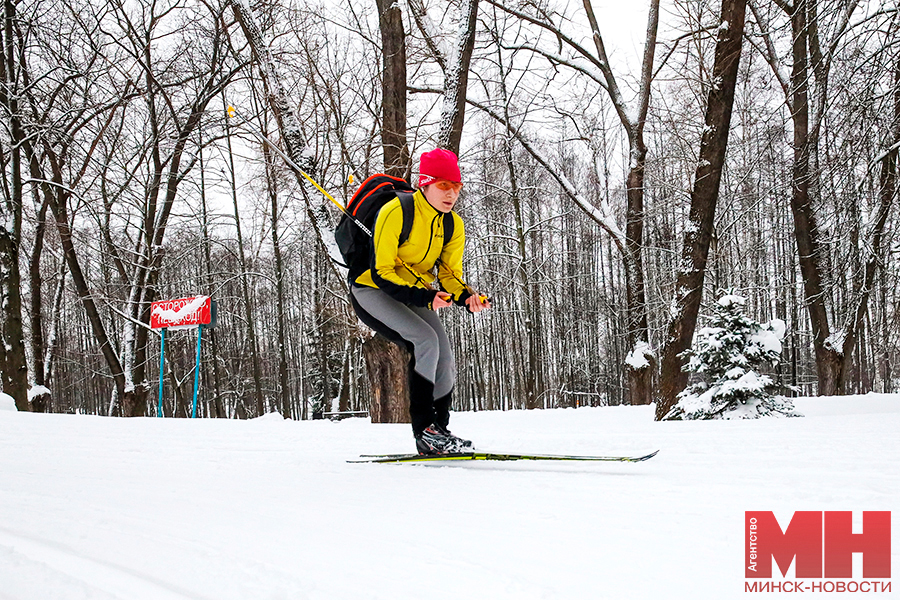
74	116
64	112
455	63
246	300
811	61
297	153
278	271
699	231
632	118
12	103
168	171
393	83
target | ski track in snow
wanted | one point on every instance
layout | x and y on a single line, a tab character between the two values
98	577
101	508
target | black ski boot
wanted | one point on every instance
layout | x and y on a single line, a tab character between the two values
465	445
431	442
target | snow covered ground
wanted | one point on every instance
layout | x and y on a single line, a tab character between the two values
157	509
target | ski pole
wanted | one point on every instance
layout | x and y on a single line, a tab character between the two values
481	297
263	139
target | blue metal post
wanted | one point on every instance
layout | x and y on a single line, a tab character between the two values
162	364
197	371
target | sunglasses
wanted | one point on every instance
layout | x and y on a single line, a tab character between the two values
446	186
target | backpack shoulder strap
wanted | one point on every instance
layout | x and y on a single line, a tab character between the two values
449	223
407	205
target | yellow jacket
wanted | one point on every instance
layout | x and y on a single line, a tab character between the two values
420	252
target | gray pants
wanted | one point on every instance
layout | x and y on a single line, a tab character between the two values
419	328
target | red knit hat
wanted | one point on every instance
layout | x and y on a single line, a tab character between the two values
438	164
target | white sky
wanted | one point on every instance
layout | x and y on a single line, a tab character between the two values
623	26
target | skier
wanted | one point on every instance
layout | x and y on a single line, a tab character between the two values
396	298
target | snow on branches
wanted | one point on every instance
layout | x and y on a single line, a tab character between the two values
725	357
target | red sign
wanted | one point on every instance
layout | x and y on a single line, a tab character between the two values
818	543
181	313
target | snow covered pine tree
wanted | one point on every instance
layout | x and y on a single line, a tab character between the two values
725	355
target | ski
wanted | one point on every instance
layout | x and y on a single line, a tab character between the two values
401	458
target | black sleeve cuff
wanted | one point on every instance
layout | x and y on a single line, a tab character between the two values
461	301
423	298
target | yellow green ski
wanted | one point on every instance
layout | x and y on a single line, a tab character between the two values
415	458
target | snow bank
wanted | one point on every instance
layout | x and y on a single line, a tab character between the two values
7	402
272	416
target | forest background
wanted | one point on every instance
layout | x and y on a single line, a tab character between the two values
126	181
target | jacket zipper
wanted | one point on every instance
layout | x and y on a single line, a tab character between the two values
430	238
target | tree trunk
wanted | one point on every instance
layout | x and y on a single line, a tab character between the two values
245	286
393	102
15	368
37	297
640	387
272	184
289	126
806	232
886	373
637	328
388	366
179	410
58	206
344	392
640	380
699	232
215	408
53	329
456	80
887	190
529	292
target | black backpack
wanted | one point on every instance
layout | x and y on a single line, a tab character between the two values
355	242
